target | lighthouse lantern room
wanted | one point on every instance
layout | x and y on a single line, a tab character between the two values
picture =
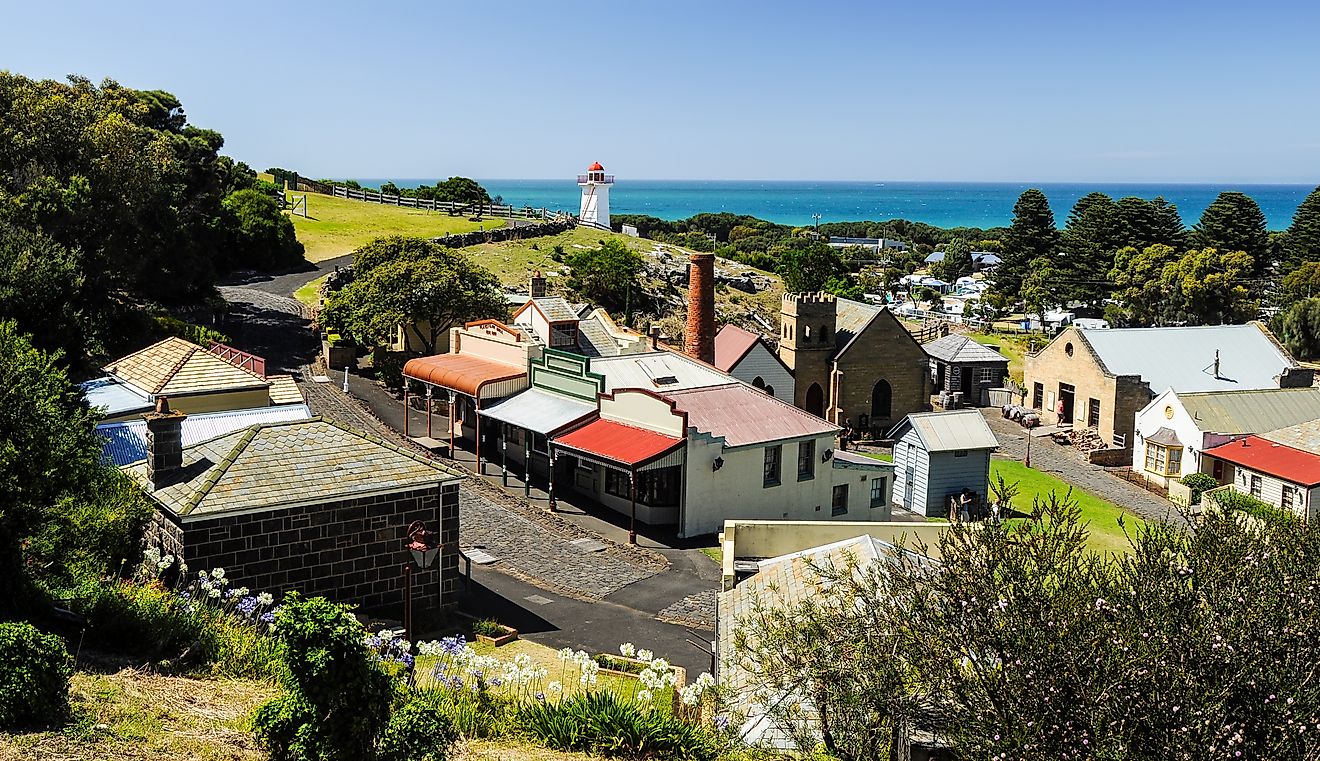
595	186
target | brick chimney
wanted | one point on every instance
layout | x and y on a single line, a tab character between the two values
699	340
164	443
536	287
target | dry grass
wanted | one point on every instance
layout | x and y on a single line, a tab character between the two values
135	716
510	750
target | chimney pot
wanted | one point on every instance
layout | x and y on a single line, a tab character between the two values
536	286
699	339
164	443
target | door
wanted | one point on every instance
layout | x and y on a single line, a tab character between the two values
816	400
1093	414
1066	394
907	488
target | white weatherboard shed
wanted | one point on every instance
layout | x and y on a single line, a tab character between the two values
937	455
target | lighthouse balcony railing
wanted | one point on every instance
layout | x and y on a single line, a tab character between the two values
594	177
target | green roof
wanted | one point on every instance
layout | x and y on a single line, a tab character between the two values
277	464
1252	411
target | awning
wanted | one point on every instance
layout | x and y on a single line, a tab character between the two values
619	444
473	376
1164	437
539	411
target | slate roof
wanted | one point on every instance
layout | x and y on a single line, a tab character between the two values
1183	358
556	309
956	348
1252	411
948	431
732	344
126	442
1304	436
851	318
742	415
268	466
176	366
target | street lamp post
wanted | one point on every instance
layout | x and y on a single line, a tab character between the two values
424	548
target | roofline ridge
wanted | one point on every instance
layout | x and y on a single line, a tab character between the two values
169	376
377	440
221	468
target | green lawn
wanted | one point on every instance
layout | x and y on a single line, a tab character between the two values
338	226
1012	346
715	553
1105	533
513	261
877	456
310	294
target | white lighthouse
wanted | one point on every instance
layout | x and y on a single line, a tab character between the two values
595	186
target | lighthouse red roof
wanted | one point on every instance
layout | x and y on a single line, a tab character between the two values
596	167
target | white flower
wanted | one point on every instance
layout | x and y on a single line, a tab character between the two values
151	555
690	694
627	650
240	591
265	598
566	654
705	680
645	655
582	657
555	687
202	574
218	573
214	592
183	568
644	696
522	660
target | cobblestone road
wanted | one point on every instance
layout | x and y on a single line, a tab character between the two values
695	610
1067	464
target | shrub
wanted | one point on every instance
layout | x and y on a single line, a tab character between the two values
606	661
418	731
201	335
604	723
1231	500
34	677
489	627
389	366
1198	483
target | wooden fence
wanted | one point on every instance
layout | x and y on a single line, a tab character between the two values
453	208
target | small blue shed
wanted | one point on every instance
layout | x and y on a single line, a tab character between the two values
937	455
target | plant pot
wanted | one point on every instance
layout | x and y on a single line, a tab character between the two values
510	635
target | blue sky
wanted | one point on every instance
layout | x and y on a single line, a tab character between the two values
979	91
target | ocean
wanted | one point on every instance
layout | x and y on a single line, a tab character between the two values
944	204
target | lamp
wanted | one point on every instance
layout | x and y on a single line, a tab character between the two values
717	464
422	545
826	455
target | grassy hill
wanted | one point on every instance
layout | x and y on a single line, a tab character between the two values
337	226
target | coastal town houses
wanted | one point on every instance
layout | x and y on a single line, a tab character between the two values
1280	467
306	505
940	455
746	356
1175	429
195	379
853	364
965	369
1101	379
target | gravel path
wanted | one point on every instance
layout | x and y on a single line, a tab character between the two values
1067	464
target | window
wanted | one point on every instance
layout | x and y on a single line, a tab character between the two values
1162	460
1255	486
539	443
1289	500
839	501
806	460
770	390
824	334
1068	349
988	375
1037	395
882	400
878	491
513	434
616	483
960	453
564	334
758	382
770	475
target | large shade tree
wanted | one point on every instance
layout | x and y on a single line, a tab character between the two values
1031	236
1298	327
1234	222
607	276
1208	286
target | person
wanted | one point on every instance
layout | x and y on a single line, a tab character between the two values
994	512
846	435
1058	410
965	506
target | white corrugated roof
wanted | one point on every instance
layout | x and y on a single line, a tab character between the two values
948	431
1183	358
539	411
127	442
657	371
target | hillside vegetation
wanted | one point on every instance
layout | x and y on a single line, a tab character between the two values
338	226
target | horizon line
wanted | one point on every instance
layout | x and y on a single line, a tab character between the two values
570	180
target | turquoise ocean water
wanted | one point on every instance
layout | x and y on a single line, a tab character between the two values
946	204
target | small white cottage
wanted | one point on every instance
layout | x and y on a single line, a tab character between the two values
937	455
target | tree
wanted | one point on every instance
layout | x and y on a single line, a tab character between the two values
416	283
1302	241
607	276
1138	277
807	267
1298	327
260	236
1303	282
1040	290
40	283
1145	223
957	261
63	513
1207	286
1090	237
1031	236
1233	222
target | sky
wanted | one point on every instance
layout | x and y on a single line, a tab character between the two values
931	90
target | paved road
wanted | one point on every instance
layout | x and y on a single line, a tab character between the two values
1067	464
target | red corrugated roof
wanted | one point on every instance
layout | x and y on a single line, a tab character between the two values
1294	465
460	372
732	344
625	444
742	415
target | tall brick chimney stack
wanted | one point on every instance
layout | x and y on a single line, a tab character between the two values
699	340
536	288
164	443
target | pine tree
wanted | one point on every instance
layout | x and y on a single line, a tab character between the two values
1302	241
1090	238
1233	222
1031	236
1145	223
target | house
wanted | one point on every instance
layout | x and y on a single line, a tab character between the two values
939	454
1281	467
195	379
745	355
306	505
554	323
1103	378
879	244
785	582
960	365
126	441
853	364
1175	429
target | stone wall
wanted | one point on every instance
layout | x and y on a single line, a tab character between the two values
1069	359
884	350
350	550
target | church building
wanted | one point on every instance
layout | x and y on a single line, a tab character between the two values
853	363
